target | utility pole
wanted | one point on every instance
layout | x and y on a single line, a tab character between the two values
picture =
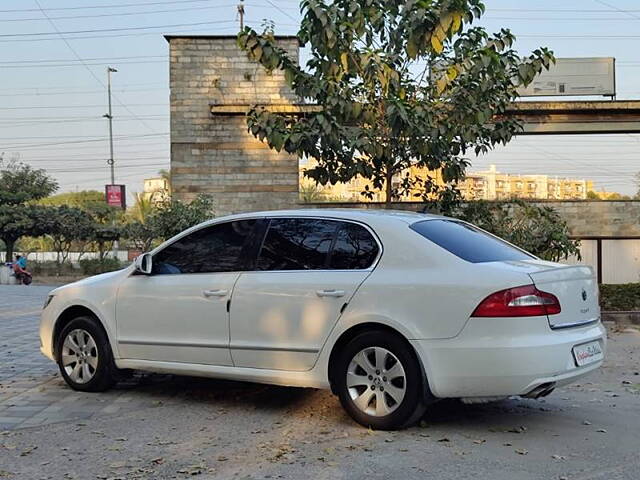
241	13
109	116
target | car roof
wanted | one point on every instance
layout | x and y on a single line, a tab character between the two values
361	214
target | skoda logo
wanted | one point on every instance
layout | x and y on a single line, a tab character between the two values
584	295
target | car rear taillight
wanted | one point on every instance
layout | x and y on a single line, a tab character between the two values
526	301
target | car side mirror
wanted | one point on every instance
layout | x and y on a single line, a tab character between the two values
144	264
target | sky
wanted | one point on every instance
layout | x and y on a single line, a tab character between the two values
54	55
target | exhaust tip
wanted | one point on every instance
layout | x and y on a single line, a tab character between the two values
541	390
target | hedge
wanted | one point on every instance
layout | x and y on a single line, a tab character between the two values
94	266
616	298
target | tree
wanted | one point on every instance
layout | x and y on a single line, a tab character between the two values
106	219
143	207
591	195
17	221
74	199
173	216
20	184
539	230
140	235
68	226
166	220
637	177
166	175
310	192
399	83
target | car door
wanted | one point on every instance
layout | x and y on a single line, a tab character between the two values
179	313
306	272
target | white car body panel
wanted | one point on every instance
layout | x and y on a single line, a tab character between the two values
292	322
169	318
279	331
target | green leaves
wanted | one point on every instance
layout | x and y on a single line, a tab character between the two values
539	230
401	85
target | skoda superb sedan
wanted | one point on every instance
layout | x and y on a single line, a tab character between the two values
389	310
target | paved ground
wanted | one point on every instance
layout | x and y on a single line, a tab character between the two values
158	427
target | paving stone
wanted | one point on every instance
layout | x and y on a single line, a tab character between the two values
31	389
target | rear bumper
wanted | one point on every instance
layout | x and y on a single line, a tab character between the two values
497	357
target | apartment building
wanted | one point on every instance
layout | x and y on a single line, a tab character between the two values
485	185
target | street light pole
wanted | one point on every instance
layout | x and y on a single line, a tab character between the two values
109	116
241	14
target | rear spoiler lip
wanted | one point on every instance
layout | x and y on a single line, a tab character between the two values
580	323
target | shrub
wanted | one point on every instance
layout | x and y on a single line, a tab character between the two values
50	268
623	297
94	266
536	229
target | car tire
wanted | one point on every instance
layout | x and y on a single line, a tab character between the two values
84	356
380	382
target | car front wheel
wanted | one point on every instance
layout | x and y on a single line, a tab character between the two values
379	381
84	356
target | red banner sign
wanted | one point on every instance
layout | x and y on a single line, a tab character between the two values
115	195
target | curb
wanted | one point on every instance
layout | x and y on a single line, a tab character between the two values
622	318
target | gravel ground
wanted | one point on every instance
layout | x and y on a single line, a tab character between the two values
182	427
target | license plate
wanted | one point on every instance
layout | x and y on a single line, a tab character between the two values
587	353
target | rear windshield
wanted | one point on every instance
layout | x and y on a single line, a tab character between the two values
468	242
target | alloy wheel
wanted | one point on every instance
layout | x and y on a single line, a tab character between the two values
79	356
376	381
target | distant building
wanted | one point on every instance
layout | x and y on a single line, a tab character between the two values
493	185
486	185
156	188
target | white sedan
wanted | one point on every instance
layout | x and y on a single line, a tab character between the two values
389	310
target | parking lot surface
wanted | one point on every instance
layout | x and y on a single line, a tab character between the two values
162	426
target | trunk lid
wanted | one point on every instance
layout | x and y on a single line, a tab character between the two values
577	289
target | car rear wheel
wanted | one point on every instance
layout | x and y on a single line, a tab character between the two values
84	356
379	382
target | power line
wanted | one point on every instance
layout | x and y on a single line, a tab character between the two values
613	7
91	72
563	10
69	88
124	29
87	92
84	59
564	19
553	35
281	10
62	65
118	5
40	107
101	15
112	36
79	118
103	139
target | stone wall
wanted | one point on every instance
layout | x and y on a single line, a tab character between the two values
215	154
585	218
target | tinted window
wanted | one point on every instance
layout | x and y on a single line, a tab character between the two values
297	244
219	248
468	242
354	248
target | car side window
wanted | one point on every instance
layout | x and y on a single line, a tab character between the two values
297	244
354	248
218	248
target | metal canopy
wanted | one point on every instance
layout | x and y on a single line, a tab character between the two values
539	118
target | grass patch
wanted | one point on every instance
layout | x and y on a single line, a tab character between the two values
617	298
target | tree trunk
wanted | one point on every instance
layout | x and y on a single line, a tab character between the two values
388	189
9	249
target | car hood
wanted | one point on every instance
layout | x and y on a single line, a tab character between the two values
94	280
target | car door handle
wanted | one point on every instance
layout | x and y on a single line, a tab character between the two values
215	293
330	293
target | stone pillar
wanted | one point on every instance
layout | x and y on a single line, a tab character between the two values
214	154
